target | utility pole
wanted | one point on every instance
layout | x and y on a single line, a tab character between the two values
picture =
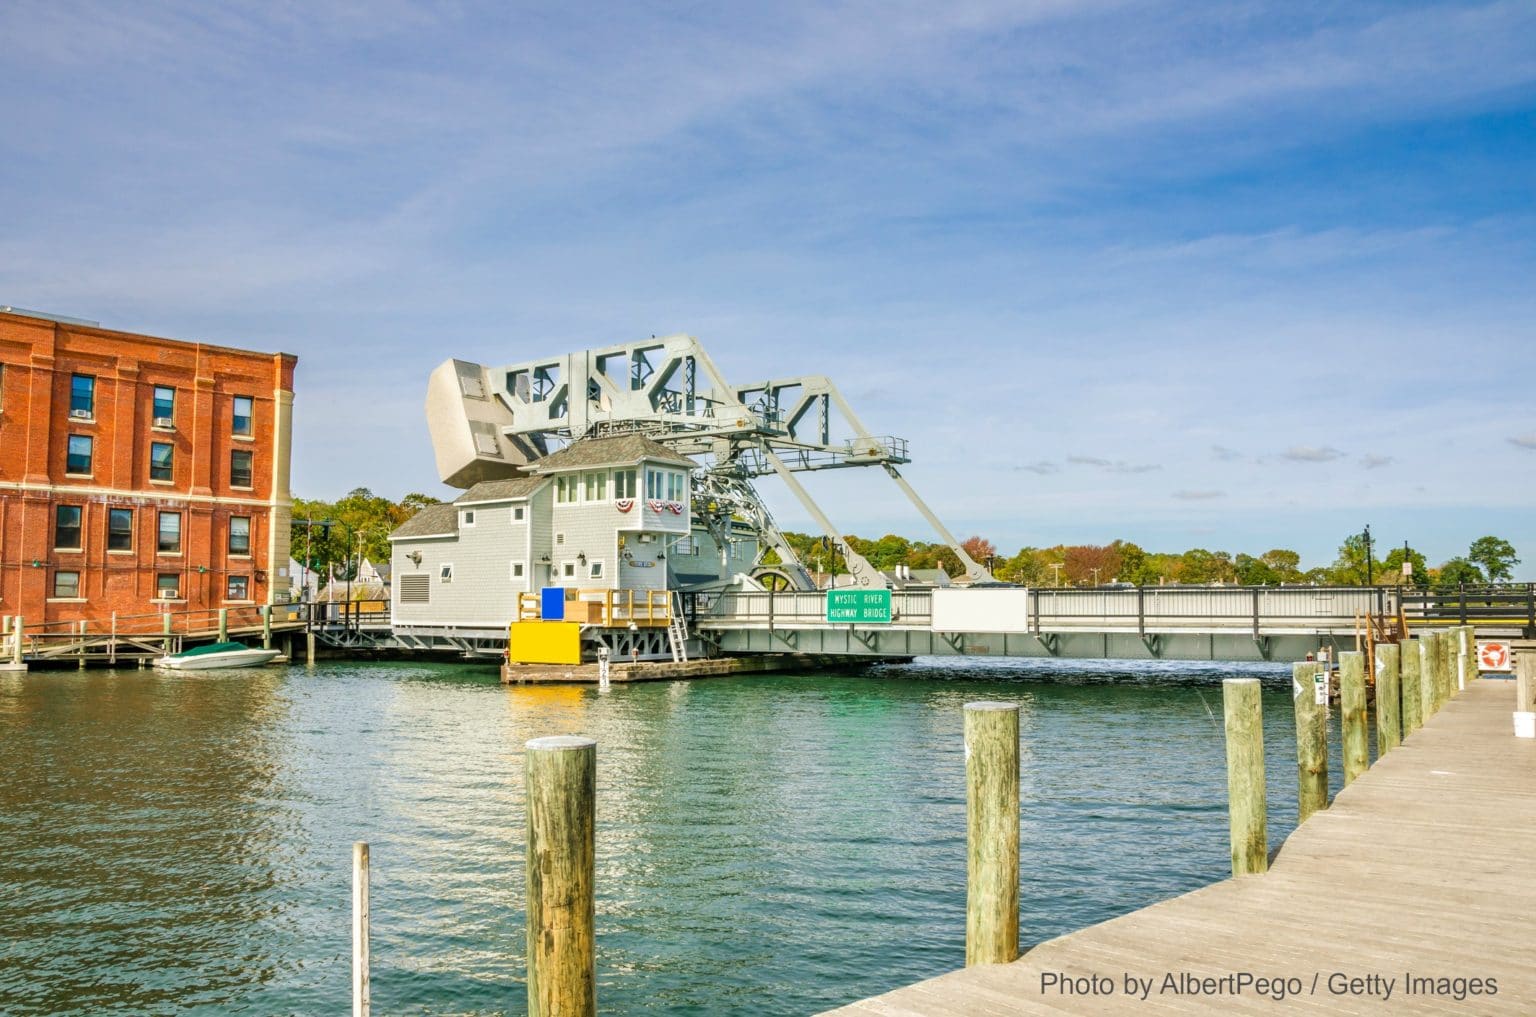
1368	576
1056	575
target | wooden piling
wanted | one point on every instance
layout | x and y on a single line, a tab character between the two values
223	624
1311	742
266	626
1389	698
165	634
18	631
361	990
561	794
1429	673
1525	681
80	646
1244	714
992	833
1355	739
309	647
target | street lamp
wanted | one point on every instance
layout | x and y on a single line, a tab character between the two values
1095	576
1369	580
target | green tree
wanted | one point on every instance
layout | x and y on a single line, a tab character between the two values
1392	565
1457	572
1349	569
1253	571
1495	555
1285	563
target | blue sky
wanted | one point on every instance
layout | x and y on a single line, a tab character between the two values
1239	276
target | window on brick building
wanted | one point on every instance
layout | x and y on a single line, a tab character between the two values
66	585
120	529
167	586
240	468
78	458
239	588
82	396
66	527
240	535
162	461
242	422
164	404
169	534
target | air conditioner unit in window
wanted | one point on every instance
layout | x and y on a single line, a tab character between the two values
79	414
165	423
170	594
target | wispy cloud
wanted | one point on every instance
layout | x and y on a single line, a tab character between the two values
1311	454
1224	454
1044	467
1199	495
1375	462
1113	466
1524	441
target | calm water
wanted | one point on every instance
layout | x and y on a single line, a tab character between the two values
779	845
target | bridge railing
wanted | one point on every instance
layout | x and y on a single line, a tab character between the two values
1509	602
1136	609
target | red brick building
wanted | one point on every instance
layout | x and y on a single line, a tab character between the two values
139	474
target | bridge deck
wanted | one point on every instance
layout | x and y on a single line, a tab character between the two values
1423	865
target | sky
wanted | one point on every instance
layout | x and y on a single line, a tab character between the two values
1238	276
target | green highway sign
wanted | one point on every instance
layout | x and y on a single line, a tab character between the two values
859	607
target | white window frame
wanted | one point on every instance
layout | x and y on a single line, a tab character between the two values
624	484
568	489
467	518
568	570
518	572
595	569
445	572
518	514
594	485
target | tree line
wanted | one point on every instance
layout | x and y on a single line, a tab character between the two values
1488	559
332	536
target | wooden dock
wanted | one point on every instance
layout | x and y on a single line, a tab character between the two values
1423	868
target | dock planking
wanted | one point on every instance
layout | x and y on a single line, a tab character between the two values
1421	866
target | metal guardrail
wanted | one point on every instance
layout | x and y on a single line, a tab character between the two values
1136	609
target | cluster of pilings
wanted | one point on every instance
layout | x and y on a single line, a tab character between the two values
1413	680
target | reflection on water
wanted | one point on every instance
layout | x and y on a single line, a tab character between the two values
181	843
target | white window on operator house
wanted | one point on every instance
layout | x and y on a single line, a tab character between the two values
595	570
519	571
596	485
568	569
655	485
445	573
519	513
677	486
469	517
623	483
567	489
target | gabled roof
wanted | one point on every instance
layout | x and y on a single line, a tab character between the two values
432	521
620	450
500	490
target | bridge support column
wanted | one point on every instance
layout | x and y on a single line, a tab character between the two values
992	833
1311	742
1244	714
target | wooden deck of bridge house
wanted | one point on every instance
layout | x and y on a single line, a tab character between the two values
1423	865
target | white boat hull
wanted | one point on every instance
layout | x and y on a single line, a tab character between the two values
218	661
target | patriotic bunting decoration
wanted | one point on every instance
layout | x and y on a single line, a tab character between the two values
676	507
654	506
624	504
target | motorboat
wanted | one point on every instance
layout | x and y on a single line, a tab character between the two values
217	655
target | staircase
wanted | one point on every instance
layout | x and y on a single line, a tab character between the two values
677	630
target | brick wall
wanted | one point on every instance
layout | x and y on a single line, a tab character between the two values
41	411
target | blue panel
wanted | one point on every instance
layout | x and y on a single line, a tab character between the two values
552	603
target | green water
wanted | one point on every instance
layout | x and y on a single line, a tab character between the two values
767	845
